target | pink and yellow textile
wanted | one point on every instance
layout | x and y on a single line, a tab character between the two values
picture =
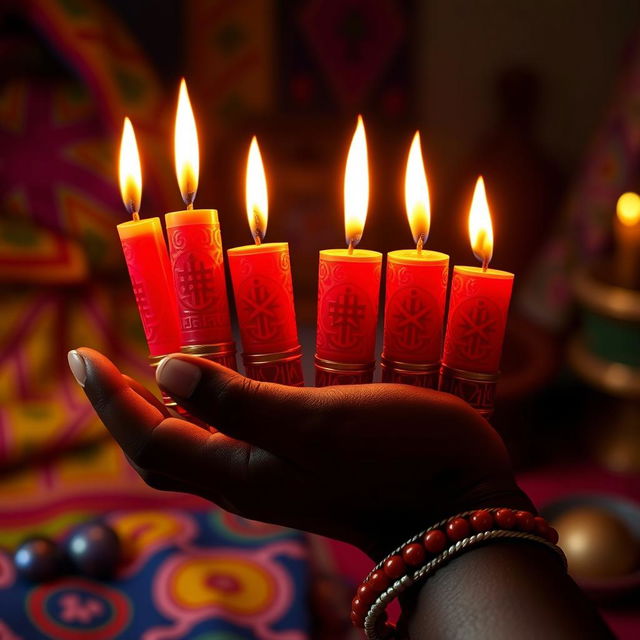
60	262
192	571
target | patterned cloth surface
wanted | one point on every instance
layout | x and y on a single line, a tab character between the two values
62	277
189	570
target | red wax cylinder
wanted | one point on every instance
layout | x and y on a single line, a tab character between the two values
263	291
348	294
416	291
146	255
476	325
197	262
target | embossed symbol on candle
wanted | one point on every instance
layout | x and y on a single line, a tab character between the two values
412	310
346	313
260	303
478	320
194	277
147	316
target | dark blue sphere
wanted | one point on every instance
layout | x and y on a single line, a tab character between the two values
38	559
94	550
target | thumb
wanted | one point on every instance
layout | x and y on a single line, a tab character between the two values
262	413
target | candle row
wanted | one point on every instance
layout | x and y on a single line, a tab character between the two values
181	295
182	298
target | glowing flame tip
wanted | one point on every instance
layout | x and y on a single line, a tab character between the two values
480	227
628	209
416	193
187	158
256	196
129	172
356	186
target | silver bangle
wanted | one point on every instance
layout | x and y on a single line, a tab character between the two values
402	584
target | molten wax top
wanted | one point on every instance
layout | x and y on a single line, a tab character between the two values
496	274
265	247
141	227
411	256
191	216
357	255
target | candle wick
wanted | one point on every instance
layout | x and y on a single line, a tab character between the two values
350	249
485	264
190	206
135	215
420	245
257	238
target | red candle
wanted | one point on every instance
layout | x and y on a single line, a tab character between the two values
349	286
626	228
195	247
416	292
263	291
146	255
477	321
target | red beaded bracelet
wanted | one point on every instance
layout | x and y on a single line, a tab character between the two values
427	551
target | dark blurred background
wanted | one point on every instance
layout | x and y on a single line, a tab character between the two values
541	97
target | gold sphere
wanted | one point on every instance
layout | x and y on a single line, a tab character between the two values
597	543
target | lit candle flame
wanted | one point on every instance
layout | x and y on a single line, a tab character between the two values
480	228
256	197
416	194
130	175
356	187
628	209
187	156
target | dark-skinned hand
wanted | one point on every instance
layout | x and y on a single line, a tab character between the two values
368	464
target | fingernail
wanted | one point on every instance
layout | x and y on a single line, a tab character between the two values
178	377
78	367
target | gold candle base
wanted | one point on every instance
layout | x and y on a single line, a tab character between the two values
223	353
284	367
417	375
330	373
169	402
478	389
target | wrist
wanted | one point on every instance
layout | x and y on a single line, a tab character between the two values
428	550
397	528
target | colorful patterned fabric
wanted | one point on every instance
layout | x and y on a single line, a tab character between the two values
190	571
232	61
59	205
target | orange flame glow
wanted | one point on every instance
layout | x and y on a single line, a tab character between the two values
129	173
186	151
628	209
416	193
480	228
256	197
356	186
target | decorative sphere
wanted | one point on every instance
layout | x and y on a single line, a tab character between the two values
597	543
38	559
94	550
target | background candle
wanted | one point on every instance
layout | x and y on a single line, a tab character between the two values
195	247
626	228
263	291
348	286
477	320
146	255
416	291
